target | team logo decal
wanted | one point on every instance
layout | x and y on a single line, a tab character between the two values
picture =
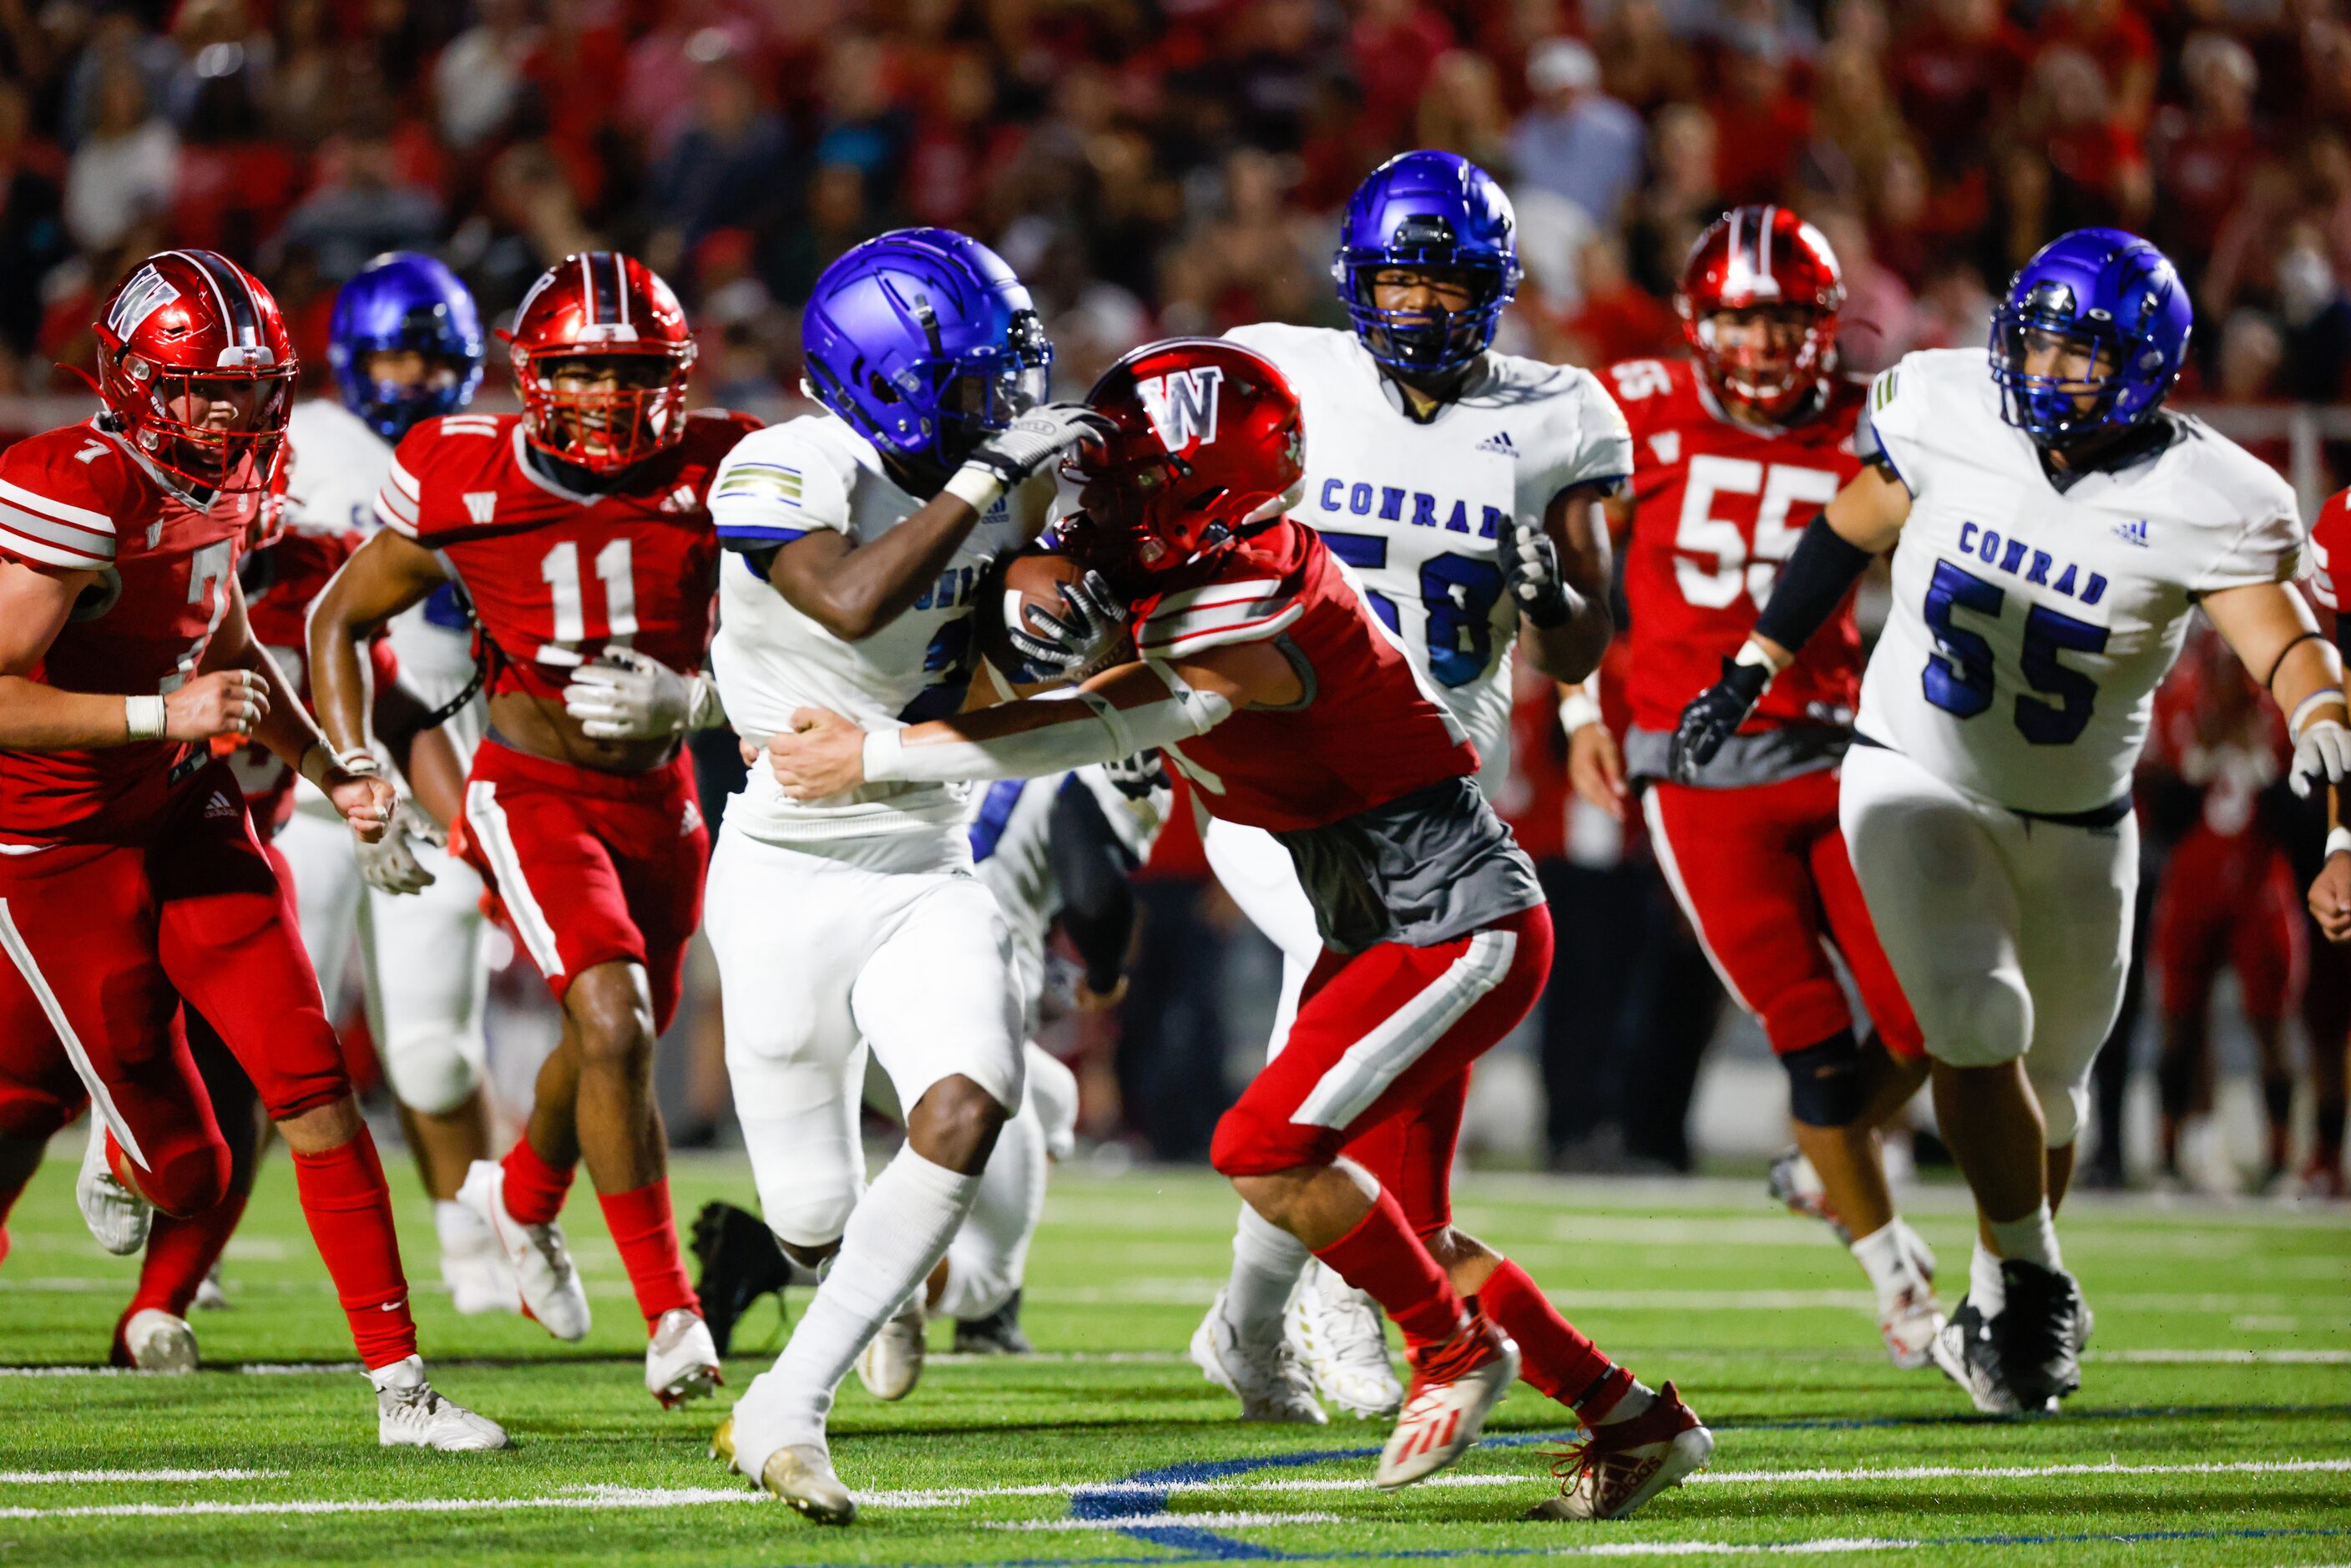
144	295
1183	406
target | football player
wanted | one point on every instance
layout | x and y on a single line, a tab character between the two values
1260	672
2059	524
1462	488
858	537
132	878
2330	898
581	531
1735	448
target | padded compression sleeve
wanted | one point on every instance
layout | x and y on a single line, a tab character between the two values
1073	742
1092	865
1820	572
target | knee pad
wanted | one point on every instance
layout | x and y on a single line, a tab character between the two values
189	1176
1826	1085
1248	1144
813	1210
431	1074
977	1282
2062	1107
1051	1096
1983	1025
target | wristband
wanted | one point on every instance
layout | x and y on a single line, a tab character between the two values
2338	842
316	759
1753	653
884	755
360	762
1578	709
144	718
976	487
2310	705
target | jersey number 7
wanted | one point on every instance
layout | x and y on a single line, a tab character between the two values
1958	678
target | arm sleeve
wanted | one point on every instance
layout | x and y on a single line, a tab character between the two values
1820	572
775	486
53	510
1092	866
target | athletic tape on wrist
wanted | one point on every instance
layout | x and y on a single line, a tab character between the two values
1578	709
2338	842
145	718
977	486
2304	709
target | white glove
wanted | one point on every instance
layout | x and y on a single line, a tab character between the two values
1042	435
389	863
2322	755
628	695
1055	646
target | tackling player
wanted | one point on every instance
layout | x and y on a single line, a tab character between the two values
581	531
1734	449
132	878
2059	524
1461	486
1261	673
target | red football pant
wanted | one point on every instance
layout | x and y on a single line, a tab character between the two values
182	1251
590	868
1762	872
2228	901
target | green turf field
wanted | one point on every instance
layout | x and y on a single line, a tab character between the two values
2214	1425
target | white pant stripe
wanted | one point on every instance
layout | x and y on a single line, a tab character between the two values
483	810
1366	1069
12	940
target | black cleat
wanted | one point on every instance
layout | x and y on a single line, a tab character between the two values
2040	1334
997	1334
1967	1349
741	1262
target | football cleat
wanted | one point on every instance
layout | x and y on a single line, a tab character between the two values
1454	1386
722	1443
1968	1354
409	1414
1908	1321
1796	1185
1336	1333
473	1265
802	1474
210	1297
1623	1464
1271	1384
117	1217
997	1334
155	1341
892	1361
741	1262
543	1274
2040	1334
681	1364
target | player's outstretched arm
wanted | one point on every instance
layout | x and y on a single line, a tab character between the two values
365	800
1558	578
1136	707
384	577
1861	523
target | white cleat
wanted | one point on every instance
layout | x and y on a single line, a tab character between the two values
473	1265
1454	1386
891	1364
682	1361
158	1341
1335	1331
117	1217
1796	1185
543	1274
1908	1318
801	1476
1621	1466
1271	1384
210	1297
409	1414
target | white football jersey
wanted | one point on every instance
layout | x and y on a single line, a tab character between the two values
778	484
2031	627
1416	509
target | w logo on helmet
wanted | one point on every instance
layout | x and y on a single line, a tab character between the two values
146	293
1183	406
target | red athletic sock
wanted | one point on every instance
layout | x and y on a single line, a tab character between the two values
1382	1257
646	1232
181	1252
1553	1355
350	1210
535	1189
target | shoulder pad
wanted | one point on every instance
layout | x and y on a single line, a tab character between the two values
60	494
1196	620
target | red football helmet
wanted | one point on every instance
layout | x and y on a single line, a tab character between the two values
615	325
195	366
1209	441
1767	260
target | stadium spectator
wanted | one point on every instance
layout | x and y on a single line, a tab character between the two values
1575	141
123	170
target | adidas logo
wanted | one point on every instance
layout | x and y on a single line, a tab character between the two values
2132	533
219	806
679	500
689	820
481	505
1499	441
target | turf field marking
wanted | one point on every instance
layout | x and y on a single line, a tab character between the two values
2228	1357
1160	1522
76	1478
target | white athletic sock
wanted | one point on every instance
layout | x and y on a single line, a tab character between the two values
990	1250
1635	1401
897	1236
1267	1262
1985	1287
1884	1257
2032	1239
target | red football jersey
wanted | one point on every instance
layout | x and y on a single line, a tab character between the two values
280	582
556	576
2330	553
1717	507
1368	733
79	499
2217	730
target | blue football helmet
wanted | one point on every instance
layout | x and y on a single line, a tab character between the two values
404	300
1428	210
2103	290
923	341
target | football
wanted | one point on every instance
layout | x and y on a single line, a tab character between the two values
1016	583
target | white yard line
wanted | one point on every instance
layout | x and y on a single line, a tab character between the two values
81	1477
2226	1357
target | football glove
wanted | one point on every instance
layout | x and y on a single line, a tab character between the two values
1054	646
1136	775
1530	562
1713	716
389	864
2322	755
628	695
1043	436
